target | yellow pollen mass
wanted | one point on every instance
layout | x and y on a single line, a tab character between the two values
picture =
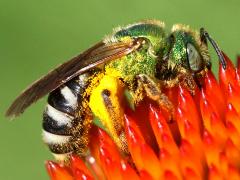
109	107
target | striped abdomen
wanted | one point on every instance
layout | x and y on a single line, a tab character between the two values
63	118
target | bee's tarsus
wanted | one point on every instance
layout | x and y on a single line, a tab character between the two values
153	91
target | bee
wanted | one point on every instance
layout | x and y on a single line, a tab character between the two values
141	58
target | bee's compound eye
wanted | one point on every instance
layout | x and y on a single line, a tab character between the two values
194	58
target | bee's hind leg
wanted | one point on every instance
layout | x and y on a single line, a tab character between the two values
153	91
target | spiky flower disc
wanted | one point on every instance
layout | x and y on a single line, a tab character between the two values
203	143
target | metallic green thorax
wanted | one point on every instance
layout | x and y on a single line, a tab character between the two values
154	32
164	57
140	62
134	64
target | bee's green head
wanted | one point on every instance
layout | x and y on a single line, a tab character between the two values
187	52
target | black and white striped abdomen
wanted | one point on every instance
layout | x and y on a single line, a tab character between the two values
64	116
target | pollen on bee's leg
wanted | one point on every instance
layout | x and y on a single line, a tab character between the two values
153	92
167	108
107	102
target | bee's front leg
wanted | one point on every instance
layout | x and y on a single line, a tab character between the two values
153	91
189	83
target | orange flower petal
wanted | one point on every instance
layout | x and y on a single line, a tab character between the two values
170	164
141	115
233	117
143	156
128	172
233	96
190	174
212	122
95	167
211	150
233	173
94	145
170	176
203	142
189	128
232	154
214	173
213	93
223	164
107	143
145	175
80	175
110	167
233	134
226	76
57	172
190	160
187	106
238	62
161	130
78	166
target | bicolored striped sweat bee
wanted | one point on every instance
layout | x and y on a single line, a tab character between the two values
141	58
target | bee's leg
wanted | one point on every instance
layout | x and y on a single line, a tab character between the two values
190	84
153	91
107	103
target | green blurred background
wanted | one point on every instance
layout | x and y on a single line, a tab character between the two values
35	36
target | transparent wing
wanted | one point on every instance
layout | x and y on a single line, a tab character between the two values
94	56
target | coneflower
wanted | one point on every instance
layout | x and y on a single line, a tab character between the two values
202	143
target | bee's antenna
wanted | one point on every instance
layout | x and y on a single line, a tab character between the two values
204	37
